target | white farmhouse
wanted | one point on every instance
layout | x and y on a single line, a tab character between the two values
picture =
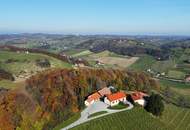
114	99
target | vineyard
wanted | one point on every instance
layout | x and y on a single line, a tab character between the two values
174	118
135	119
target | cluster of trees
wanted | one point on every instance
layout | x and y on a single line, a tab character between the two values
44	63
130	49
155	105
6	75
62	92
15	109
58	94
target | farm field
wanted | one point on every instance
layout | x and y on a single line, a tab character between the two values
82	53
173	118
72	52
134	119
23	65
143	63
117	61
109	59
23	61
176	74
165	83
176	118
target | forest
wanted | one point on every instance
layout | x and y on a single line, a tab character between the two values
53	96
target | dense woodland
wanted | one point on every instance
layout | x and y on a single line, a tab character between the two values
55	95
131	49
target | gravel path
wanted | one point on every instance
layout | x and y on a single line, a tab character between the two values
96	107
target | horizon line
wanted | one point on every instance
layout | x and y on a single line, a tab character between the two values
96	34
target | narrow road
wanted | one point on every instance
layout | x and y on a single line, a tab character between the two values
96	107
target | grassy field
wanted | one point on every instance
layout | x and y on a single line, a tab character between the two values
97	114
145	62
176	74
165	83
26	62
9	84
173	118
67	122
24	65
109	59
83	53
163	66
74	52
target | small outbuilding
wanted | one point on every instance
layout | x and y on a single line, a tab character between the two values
187	79
138	97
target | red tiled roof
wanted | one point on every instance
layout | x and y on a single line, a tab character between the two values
104	91
116	96
138	95
94	96
89	100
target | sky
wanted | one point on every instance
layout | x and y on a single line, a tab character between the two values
170	17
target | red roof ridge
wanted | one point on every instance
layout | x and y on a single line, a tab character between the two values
116	96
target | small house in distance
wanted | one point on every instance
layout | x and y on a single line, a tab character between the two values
138	97
114	99
187	79
92	98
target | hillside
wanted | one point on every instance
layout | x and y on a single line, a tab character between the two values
56	95
138	119
21	65
106	59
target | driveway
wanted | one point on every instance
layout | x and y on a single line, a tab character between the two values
95	107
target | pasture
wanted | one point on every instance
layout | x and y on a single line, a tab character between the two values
26	62
22	66
109	59
143	63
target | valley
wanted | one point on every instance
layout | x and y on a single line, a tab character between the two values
55	77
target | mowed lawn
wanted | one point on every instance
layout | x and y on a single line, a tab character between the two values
173	118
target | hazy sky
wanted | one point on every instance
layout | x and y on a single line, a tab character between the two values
96	16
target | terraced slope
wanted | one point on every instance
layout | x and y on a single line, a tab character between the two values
173	118
136	119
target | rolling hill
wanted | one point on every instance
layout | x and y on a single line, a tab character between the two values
173	118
